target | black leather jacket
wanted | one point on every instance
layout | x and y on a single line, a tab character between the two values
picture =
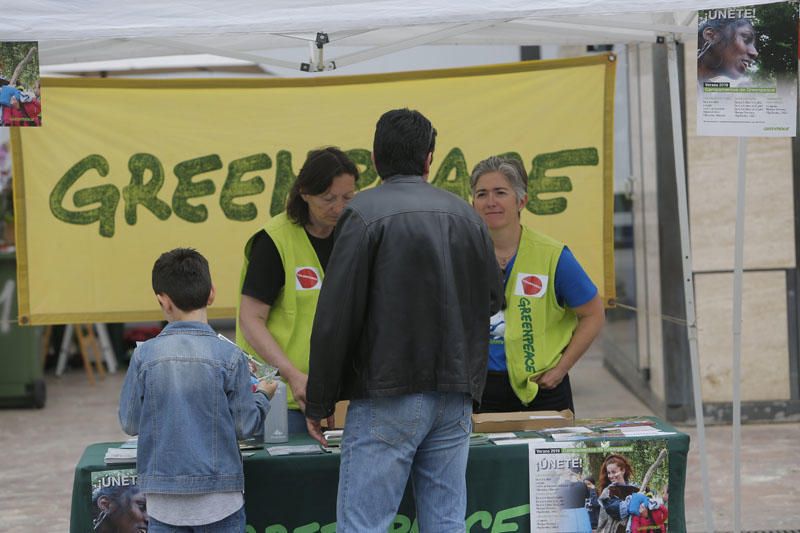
406	298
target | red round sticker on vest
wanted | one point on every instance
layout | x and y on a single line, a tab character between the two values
307	278
531	285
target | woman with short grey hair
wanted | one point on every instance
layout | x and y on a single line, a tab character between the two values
511	168
553	311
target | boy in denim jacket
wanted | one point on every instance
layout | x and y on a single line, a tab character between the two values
188	396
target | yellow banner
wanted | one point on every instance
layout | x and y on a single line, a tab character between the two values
123	170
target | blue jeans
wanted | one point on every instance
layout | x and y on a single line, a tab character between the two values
234	523
385	439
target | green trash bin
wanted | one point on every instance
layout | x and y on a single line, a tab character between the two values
21	380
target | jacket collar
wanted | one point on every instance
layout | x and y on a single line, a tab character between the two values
179	326
402	178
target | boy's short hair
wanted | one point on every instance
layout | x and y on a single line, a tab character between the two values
183	275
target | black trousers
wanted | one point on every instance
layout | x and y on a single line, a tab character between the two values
499	397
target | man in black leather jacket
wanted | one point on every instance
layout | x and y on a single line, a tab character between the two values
401	331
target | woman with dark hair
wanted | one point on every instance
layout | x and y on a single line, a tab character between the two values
119	509
283	271
726	50
614	487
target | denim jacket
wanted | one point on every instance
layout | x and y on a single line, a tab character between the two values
188	396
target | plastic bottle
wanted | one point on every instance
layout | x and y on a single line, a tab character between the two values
261	371
276	426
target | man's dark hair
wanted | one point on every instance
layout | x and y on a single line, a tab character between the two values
403	140
183	275
316	176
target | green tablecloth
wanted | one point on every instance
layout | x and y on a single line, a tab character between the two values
298	493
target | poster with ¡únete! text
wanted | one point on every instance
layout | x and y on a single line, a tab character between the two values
585	486
747	71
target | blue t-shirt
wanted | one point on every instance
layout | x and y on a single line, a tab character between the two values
573	289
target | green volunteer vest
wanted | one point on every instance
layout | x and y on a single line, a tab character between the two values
292	315
537	327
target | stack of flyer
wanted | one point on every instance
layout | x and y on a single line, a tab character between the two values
122	455
511	437
334	438
608	428
478	438
296	449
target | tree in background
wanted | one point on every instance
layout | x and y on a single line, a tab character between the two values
12	55
776	35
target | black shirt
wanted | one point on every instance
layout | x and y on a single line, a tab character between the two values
265	275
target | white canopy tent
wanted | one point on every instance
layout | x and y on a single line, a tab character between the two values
83	31
96	30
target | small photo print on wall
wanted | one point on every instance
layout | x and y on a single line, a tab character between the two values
20	97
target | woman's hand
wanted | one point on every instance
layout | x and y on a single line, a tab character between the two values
551	379
253	316
297	382
591	317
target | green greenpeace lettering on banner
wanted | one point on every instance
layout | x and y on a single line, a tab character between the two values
147	179
235	187
284	178
513	155
188	189
540	183
459	183
367	174
139	192
105	195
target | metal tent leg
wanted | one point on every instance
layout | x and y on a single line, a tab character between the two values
688	278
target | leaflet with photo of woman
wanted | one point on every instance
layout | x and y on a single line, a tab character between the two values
118	506
747	70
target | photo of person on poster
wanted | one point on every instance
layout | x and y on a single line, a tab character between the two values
747	46
119	509
726	50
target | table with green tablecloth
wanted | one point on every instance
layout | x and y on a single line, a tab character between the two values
297	493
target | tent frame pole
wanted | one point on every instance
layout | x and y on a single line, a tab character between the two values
688	276
738	272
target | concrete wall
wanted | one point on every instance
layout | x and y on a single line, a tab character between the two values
768	252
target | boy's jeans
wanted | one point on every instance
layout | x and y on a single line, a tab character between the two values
385	439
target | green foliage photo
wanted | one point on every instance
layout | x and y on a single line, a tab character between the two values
776	38
12	54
